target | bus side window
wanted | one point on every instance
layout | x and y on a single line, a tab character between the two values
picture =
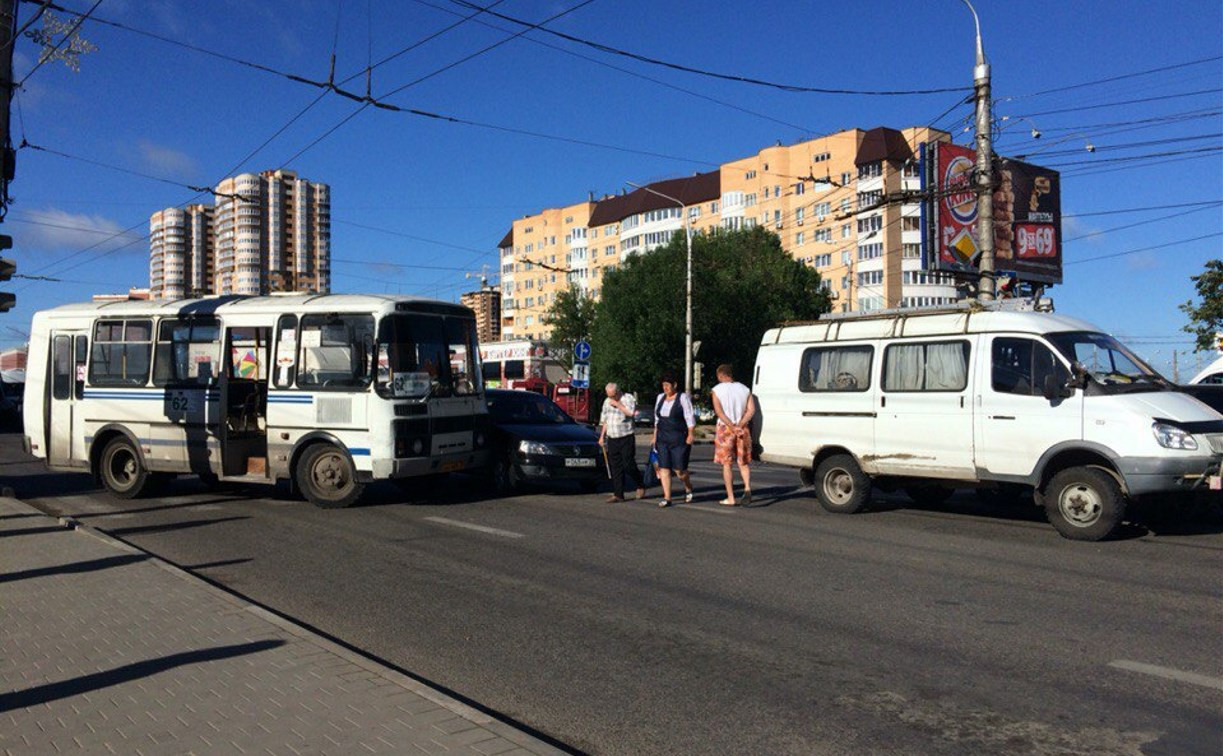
286	351
61	384
82	363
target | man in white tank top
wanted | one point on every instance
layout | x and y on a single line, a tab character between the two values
733	404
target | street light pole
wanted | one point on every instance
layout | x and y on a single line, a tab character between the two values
985	166
688	285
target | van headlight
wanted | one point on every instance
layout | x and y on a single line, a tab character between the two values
1171	437
533	447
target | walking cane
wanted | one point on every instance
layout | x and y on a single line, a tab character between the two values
606	464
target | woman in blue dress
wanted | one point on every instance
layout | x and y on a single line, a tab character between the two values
673	424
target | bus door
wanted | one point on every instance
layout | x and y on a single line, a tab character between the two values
244	401
65	425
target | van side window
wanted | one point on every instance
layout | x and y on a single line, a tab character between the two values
939	366
1019	366
188	351
121	353
846	368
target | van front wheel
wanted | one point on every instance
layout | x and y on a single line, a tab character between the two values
840	484
1084	503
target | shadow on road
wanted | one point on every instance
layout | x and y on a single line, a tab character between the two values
72	568
78	685
171	526
41	530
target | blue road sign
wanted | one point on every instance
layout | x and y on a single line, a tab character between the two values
581	350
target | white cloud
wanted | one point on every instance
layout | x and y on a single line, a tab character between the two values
166	161
1073	228
1143	261
52	231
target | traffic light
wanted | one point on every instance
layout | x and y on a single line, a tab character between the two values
7	268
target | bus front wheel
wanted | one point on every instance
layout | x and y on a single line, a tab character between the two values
326	477
122	472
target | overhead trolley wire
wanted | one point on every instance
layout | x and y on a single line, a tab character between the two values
702	72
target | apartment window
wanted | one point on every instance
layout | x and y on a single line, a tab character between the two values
937	366
528	229
121	353
822	209
777	190
821	157
695	211
823	235
799	188
845	205
870	278
911	251
911	169
749	200
847	230
846	178
866	304
910	223
799	215
800	238
846	256
870	251
869	199
870	170
751	175
569	219
842	368
823	261
872	223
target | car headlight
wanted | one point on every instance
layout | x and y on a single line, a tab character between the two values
1171	437
533	447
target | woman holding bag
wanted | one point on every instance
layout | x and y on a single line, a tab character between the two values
674	421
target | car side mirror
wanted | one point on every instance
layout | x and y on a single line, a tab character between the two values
1078	376
1055	389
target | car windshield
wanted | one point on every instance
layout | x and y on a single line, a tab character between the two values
1106	361
525	408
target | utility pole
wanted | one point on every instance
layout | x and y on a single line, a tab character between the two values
8	30
1176	371
985	167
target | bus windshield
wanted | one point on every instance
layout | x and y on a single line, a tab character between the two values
422	355
1105	359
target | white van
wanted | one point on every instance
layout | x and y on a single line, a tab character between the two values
1001	397
1212	374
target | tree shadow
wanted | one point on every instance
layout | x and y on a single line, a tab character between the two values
91	565
86	683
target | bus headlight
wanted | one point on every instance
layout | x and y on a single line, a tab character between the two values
418	447
479	439
1171	437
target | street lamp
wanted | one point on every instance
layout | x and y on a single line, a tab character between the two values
688	286
985	167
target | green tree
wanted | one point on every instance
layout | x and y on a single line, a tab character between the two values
572	317
743	283
1206	317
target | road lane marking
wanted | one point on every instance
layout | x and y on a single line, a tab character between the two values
1193	678
473	526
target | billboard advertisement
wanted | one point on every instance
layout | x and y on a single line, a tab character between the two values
1027	216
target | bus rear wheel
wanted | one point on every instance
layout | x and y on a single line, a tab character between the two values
122	472
326	477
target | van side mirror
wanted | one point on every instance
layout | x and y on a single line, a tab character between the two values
1055	389
1078	375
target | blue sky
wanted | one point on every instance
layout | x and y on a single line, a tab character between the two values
154	108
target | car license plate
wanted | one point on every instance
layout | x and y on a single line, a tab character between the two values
452	466
579	462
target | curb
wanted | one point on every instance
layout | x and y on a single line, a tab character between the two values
488	722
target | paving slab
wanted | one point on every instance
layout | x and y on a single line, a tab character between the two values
105	648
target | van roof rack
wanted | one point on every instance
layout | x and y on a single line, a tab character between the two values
1024	304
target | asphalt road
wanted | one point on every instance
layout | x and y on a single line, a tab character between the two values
628	629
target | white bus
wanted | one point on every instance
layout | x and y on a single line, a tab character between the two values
327	391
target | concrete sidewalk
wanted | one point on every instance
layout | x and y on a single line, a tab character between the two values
107	649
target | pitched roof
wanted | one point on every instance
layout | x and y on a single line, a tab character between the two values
690	190
507	240
883	143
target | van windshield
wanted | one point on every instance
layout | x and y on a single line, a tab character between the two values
1105	359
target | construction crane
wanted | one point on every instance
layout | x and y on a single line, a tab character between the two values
482	274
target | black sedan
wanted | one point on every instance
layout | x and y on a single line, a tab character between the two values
534	440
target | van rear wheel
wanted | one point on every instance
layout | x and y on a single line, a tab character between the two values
1084	503
840	484
326	477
